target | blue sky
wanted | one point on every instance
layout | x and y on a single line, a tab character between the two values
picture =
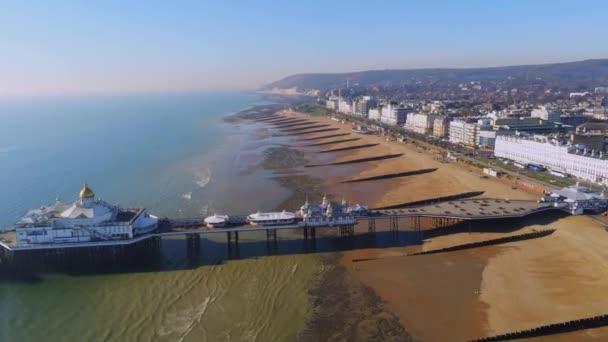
74	47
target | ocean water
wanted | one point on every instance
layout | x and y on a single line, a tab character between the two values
174	155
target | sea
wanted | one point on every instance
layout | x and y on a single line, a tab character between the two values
174	155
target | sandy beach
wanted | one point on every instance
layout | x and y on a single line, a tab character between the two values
468	294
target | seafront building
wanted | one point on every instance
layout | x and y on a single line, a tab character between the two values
471	134
393	114
545	113
85	220
527	125
420	123
440	127
374	114
332	103
575	160
345	106
360	106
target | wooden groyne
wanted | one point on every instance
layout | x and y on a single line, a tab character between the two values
304	128
333	142
283	122
325	137
356	147
503	240
392	175
433	200
280	120
492	242
362	160
293	124
315	131
551	329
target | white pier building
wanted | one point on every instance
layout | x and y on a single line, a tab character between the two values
85	220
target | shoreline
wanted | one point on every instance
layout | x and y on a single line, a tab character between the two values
359	312
466	300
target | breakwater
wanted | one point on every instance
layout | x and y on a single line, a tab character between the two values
325	137
551	329
348	148
392	175
293	124
333	142
361	160
296	129
314	131
506	239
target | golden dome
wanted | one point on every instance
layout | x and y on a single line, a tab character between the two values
86	192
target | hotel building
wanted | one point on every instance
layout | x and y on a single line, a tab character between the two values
573	159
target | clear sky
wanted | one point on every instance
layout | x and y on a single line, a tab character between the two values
79	47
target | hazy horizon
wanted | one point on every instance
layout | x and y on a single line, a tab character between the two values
115	48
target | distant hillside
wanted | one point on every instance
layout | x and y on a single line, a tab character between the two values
592	72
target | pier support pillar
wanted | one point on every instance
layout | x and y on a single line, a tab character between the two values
394	224
233	252
347	230
193	243
271	234
271	241
232	236
371	225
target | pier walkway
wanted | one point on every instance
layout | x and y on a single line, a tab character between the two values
444	213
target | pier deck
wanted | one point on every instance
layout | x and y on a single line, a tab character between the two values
471	209
466	209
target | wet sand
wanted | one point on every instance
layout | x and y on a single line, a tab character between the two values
457	295
345	310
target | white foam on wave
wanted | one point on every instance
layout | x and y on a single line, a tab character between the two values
203	177
187	195
183	321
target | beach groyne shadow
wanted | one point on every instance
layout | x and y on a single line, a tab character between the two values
293	124
361	160
392	175
297	129
325	137
332	142
313	131
348	148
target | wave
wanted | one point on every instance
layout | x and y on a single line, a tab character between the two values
203	177
187	195
183	321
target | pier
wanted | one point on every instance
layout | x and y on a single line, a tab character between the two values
412	219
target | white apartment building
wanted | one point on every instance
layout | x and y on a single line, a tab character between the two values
440	127
544	113
332	103
468	134
420	123
456	132
360	106
393	114
589	166
486	139
344	106
374	114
